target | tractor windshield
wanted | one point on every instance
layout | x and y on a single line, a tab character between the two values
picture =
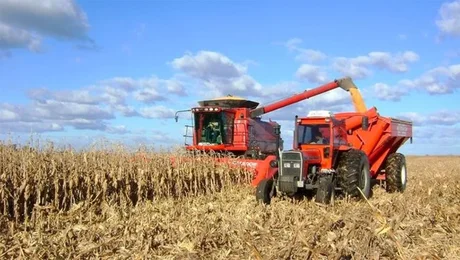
214	127
313	134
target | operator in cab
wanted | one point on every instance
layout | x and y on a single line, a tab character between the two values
318	138
213	133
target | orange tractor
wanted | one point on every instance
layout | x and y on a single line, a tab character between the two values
339	153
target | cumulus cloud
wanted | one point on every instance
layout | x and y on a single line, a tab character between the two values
439	118
440	80
12	38
302	54
8	115
383	91
118	129
49	114
29	127
219	74
92	107
360	67
23	23
149	95
80	96
311	73
147	89
356	67
449	18
157	112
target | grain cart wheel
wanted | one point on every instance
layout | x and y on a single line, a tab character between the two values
354	172
396	173
326	189
265	191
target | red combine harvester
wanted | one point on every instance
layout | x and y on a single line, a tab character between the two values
339	152
233	125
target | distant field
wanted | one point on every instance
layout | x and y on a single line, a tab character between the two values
109	205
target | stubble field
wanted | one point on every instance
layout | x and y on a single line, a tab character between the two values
105	204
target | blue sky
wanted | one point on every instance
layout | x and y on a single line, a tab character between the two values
76	71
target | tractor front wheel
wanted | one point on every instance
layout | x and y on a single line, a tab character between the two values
354	173
265	191
396	173
326	188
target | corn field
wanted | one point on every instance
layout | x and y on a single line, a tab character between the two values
62	178
114	204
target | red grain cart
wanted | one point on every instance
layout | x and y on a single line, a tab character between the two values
339	153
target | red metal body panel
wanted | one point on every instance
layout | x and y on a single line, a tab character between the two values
384	136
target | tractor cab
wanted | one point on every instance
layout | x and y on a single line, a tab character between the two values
319	129
317	136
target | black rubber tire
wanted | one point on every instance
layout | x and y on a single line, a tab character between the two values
353	172
325	190
263	191
396	173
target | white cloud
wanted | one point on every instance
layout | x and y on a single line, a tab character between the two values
126	110
356	67
352	67
304	55
360	67
311	73
385	92
8	115
81	96
23	23
125	83
218	73
114	96
59	18
147	89
440	80
157	112
30	127
91	107
118	129
449	20
149	95
438	118
175	86
54	109
11	38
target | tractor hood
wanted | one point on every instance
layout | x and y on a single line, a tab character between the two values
312	155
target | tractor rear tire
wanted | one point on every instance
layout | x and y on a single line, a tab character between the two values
264	191
353	173
396	173
326	188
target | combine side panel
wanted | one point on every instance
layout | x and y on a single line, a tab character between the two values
240	133
263	136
